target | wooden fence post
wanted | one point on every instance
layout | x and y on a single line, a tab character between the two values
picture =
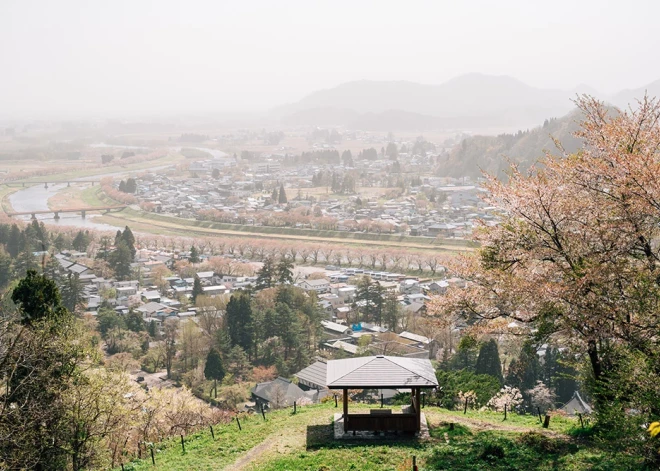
183	445
415	468
546	422
239	424
294	407
505	411
263	413
539	411
153	459
581	422
212	434
465	406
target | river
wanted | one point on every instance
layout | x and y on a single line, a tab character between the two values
35	198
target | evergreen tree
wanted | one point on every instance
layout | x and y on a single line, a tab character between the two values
59	242
273	196
152	329
122	186
6	269
81	241
131	185
372	295
215	173
282	195
525	371
266	275
466	355
120	261
128	237
72	291
197	289
25	262
35	379
347	158
392	311
284	271
488	361
559	375
38	299
134	321
14	241
239	321
194	255
214	368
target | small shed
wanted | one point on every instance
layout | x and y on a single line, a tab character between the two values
382	372
577	405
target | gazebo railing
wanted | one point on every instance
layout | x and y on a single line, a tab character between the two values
381	422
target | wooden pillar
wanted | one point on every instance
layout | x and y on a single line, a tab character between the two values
418	408
345	410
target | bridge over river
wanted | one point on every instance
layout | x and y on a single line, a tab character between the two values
56	212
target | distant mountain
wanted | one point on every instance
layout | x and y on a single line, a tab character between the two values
493	153
630	96
472	98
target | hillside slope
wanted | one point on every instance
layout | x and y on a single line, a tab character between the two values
492	153
304	442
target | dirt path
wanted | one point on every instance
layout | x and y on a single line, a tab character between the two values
281	442
252	455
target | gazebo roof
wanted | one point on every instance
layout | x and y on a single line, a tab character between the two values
380	372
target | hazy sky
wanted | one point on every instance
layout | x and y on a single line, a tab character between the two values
135	57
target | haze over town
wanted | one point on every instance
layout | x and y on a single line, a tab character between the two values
127	59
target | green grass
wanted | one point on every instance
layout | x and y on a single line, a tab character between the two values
93	196
287	442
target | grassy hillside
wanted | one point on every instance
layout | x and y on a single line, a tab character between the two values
479	441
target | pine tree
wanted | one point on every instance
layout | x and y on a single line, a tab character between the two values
14	242
194	255
274	195
525	371
128	237
266	275
488	361
80	242
214	368
120	261
284	271
282	196
466	355
6	270
131	185
59	242
72	292
122	186
197	289
240	322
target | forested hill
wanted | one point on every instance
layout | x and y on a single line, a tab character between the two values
493	153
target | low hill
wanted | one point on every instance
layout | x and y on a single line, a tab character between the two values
304	441
492	153
471	98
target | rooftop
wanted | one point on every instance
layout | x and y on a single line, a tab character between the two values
380	372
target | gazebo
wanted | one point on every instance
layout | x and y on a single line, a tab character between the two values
382	372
